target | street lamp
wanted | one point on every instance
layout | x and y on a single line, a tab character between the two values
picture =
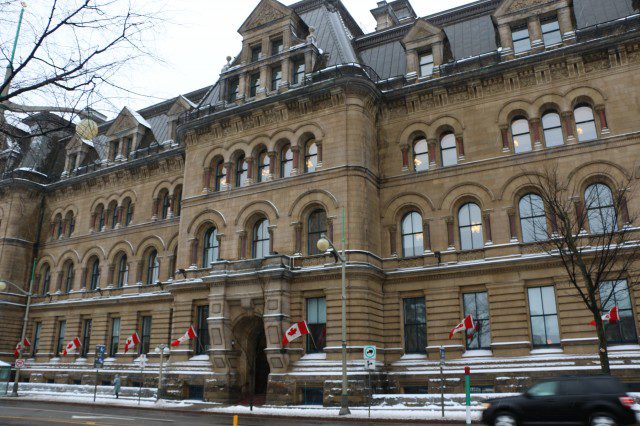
323	245
3	286
161	349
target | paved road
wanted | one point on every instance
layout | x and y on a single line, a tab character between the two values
43	413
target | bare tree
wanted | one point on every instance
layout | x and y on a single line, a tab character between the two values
589	231
67	52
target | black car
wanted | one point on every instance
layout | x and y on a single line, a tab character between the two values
590	400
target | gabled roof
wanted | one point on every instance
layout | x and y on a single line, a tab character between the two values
266	12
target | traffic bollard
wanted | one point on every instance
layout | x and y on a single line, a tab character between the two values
235	420
467	389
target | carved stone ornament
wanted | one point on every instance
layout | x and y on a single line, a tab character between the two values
265	13
517	5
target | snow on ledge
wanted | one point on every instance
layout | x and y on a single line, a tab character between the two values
413	357
545	351
477	353
316	356
204	357
624	348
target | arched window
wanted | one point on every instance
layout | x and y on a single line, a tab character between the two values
123	271
601	212
221	175
69	275
128	206
316	226
241	172
59	226
263	166
552	129
166	204
101	218
420	155
533	220
521	135
448	150
260	246
94	274
210	248
310	157
114	215
71	223
585	123
153	267
470	226
412	236
286	161
177	201
46	280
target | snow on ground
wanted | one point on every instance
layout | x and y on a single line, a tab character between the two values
106	400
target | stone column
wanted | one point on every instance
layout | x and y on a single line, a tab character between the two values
83	278
110	275
171	206
460	145
120	210
487	227
393	236
412	63
504	133
193	256
535	33
330	228
554	222
450	234
271	238
94	218
426	235
319	146
296	160
58	288
405	157
242	237
580	216
139	271
250	172
535	127
229	169
272	165
566	25
156	205
506	41
206	180
604	126
513	235
298	237
567	121
437	49
433	160
286	75
624	210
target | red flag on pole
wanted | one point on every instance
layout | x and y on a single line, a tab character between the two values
466	324
131	342
72	346
610	317
190	334
296	330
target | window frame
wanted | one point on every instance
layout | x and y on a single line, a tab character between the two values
516	144
545	34
153	269
310	157
276	78
532	218
210	252
202	341
544	315
87	325
608	302
317	328
313	236
37	331
299	71
524	29
166	204
95	274
484	322
470	226
45	286
254	84
122	275
233	89
242	171
417	327
70	276
425	64
599	209
145	335
546	131
220	175
264	163
445	150
62	330
591	123
277	46
284	161
255	52
114	337
413	234
420	158
128	218
260	240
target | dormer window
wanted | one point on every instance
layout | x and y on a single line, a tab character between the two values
276	78
521	40
254	84
232	90
551	32
426	64
256	51
277	46
116	149
298	71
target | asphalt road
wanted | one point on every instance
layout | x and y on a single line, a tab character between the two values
39	413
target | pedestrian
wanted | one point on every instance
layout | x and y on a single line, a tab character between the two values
116	385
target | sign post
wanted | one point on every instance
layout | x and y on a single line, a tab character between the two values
98	362
467	389
369	354
442	359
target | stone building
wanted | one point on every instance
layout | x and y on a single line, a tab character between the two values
205	210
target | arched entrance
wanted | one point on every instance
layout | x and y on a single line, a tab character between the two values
253	366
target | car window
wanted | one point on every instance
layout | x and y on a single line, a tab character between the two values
573	387
544	389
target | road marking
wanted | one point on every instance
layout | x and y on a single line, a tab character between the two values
105	417
42	420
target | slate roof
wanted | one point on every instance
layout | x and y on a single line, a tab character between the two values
593	12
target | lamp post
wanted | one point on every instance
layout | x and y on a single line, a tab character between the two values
323	245
3	286
161	349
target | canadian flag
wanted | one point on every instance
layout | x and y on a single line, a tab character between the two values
72	346
190	334
466	324
131	342
610	317
296	330
24	344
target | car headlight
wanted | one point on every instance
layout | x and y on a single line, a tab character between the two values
486	406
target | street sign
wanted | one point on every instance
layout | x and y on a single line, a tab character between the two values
143	360
369	352
99	358
442	354
19	363
370	364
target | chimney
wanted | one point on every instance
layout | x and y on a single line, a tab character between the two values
385	16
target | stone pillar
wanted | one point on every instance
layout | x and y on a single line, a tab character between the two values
286	66
460	145
506	41
512	225
426	235
298	237
52	230
433	160
193	256
330	228
566	25
171	206
206	180
580	216
139	271
487	227
296	160
58	288
94	218
83	278
554	222
156	205
120	210
272	164
450	235
604	126
535	33
437	49
242	237
319	146
567	121
412	63
393	236
405	157
250	172
535	127
504	133
110	275
229	169
624	210
271	238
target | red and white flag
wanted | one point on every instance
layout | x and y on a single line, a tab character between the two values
610	317
24	344
296	330
72	346
131	342
466	324
190	334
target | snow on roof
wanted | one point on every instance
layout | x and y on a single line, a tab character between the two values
139	118
4	364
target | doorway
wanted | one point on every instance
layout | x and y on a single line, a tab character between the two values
261	373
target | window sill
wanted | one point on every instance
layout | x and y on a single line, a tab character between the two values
474	353
413	357
624	347
546	351
316	356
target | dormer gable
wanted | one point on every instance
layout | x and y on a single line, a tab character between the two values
126	134
508	7
180	105
422	33
79	152
267	12
127	122
425	49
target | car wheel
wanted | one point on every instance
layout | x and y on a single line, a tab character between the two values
505	419
602	419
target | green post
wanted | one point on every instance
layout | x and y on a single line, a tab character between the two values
467	390
15	41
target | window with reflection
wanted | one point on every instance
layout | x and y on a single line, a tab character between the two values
46	280
69	274
533	220
286	161
415	325
166	203
101	218
477	305
317	322
71	224
551	32
616	293
585	123
420	155
232	89
316	226
426	64
153	267
521	40
470	227
254	84
601	212
543	315
241	172
122	271
94	274
311	157
260	247
412	235
277	46
298	71
256	51
221	174
114	216
276	78
59	226
263	166
210	248
448	150
128	216
552	129
521	135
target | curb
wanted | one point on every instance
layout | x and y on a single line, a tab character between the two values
240	415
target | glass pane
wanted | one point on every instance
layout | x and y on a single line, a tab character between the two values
482	306
583	113
538	331
522	143
449	157
551	33
551	120
466	241
523	45
463	215
548	300
312	311
476	232
416	222
469	301
418	247
528	230
553	137
407	245
519	126
535	301
322	310
421	162
628	327
587	131
448	141
544	389
553	332
474	212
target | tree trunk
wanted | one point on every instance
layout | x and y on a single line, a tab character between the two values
602	344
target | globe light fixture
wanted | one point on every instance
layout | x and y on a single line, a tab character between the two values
323	244
3	286
87	129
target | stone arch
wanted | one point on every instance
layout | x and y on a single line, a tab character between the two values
513	185
71	208
208	215
177	182
550	101
466	189
259	143
212	158
47	259
267	208
513	108
96	203
399	204
94	251
122	246
320	196
280	139
408	134
68	255
601	170
306	132
173	242
585	94
152	240
234	146
444	124
128	193
165	184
